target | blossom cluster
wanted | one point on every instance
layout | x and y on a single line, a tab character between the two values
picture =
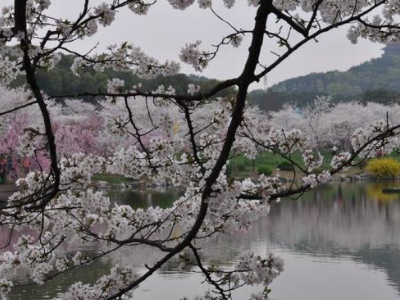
249	270
191	55
126	58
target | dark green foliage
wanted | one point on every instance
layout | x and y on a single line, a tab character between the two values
274	101
285	166
264	169
241	167
362	165
61	81
381	96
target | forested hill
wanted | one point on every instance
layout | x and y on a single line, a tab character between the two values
379	73
61	80
377	80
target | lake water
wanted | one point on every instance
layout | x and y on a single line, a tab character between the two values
339	242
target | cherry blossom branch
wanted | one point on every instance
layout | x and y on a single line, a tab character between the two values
17	108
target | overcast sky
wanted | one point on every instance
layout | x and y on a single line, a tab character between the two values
164	31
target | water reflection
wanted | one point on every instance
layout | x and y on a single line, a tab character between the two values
342	220
144	198
340	241
334	219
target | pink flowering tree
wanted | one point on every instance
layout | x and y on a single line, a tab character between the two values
14	127
186	138
78	128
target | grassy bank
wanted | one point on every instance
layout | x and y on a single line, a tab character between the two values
241	167
112	179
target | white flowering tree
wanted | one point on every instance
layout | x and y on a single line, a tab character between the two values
330	125
186	138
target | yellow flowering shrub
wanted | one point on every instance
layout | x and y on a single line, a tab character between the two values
384	167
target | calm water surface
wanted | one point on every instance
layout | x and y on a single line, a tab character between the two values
339	242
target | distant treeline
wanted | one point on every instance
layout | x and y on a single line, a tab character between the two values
382	73
375	81
61	81
273	101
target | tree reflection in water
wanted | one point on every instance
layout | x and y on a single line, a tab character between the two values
350	222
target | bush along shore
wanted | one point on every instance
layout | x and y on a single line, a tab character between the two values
377	169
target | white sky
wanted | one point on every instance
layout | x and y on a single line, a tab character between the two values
164	31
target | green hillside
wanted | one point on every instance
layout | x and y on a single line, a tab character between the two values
61	80
377	80
380	73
